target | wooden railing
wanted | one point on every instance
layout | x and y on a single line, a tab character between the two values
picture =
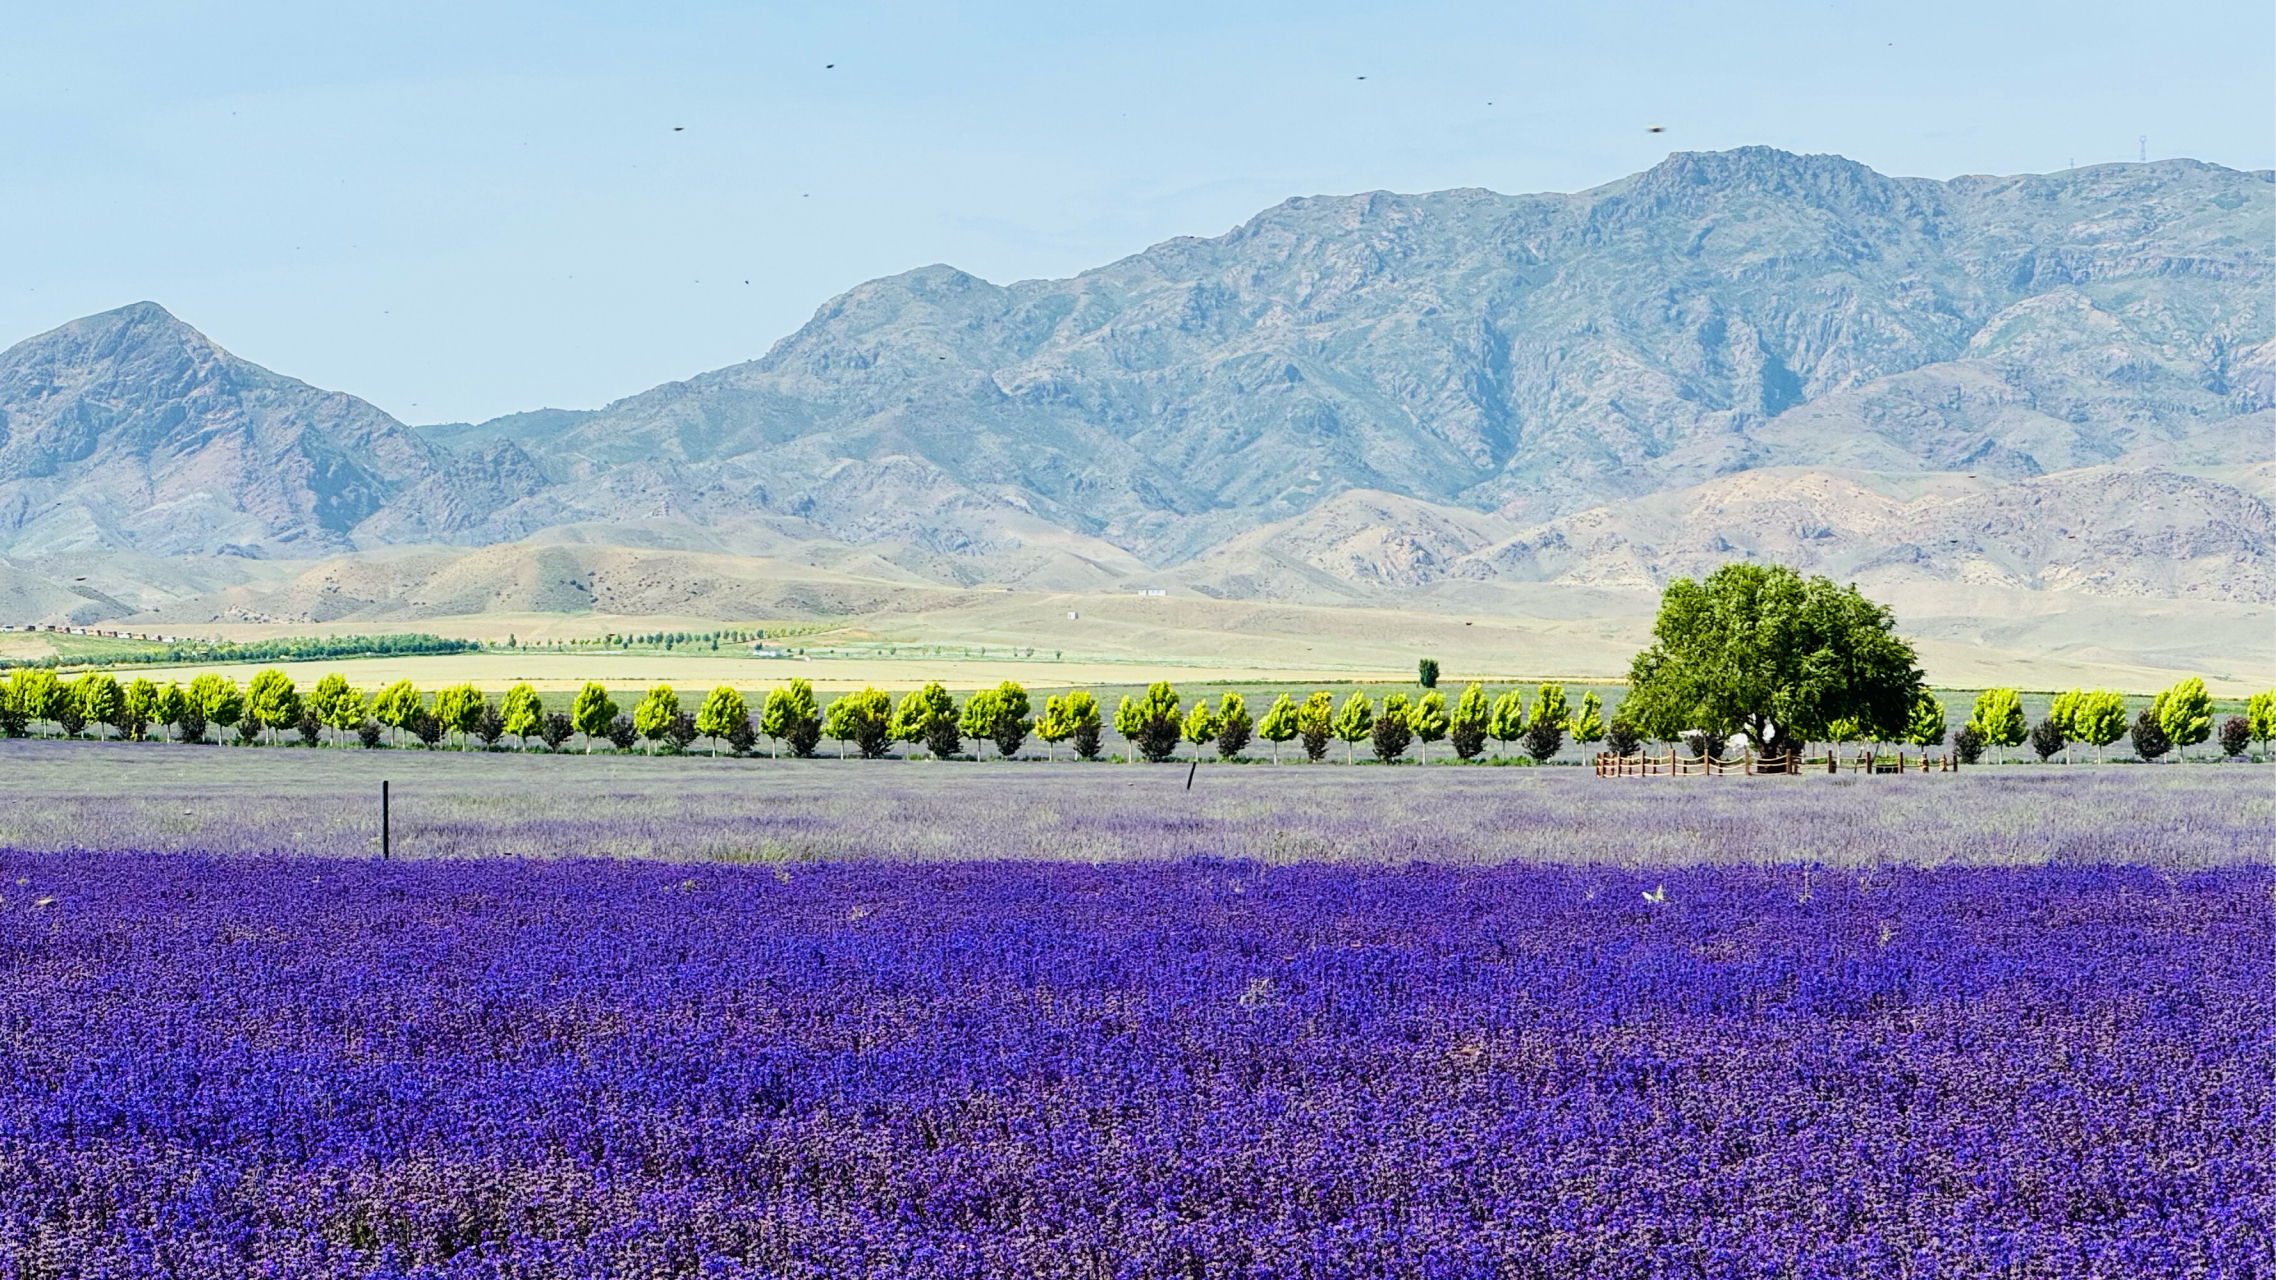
1676	765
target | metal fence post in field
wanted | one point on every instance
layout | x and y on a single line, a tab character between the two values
383	824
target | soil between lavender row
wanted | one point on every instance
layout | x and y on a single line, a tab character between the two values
232	802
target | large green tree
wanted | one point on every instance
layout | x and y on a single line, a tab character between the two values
1763	651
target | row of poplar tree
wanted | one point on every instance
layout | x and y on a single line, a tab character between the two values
868	723
1154	723
2178	718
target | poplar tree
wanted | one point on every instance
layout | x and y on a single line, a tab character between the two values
792	716
1126	724
928	717
218	699
1278	725
101	699
272	701
2100	718
1925	728
1200	724
523	712
593	713
172	702
1157	722
1007	721
1588	724
1354	722
1083	719
2260	718
459	708
1233	725
1469	721
1429	722
141	706
395	706
350	708
1508	724
2185	712
722	710
1998	719
1551	708
36	693
977	717
325	695
866	720
1053	726
653	715
2062	712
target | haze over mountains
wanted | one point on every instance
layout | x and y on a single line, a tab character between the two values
2059	382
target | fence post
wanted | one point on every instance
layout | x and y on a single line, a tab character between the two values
383	819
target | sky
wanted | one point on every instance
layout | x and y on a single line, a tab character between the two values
458	210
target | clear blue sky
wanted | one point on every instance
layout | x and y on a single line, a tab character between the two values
463	209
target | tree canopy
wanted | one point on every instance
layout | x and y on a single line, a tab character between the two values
1761	650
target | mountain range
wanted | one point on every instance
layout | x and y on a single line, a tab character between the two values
2061	382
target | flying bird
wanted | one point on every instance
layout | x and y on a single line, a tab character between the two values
828	65
679	129
1657	128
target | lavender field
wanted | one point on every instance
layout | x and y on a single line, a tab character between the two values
884	1021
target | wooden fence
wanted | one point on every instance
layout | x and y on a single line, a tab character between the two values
1675	765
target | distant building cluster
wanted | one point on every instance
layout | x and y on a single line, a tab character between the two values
88	631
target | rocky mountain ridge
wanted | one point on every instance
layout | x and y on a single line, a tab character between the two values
2057	382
